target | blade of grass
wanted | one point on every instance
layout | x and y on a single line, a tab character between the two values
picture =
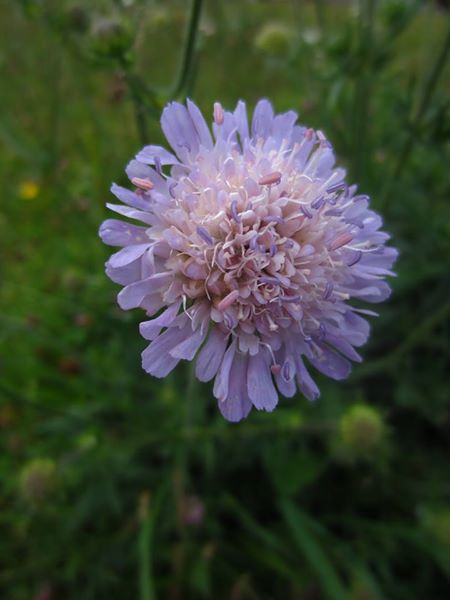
145	547
300	529
274	554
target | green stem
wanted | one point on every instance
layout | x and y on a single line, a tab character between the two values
411	137
433	78
188	55
144	99
390	361
181	481
140	113
320	14
362	85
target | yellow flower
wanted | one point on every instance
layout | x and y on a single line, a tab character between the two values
28	190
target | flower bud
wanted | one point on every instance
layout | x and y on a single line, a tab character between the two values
275	39
36	480
361	429
111	37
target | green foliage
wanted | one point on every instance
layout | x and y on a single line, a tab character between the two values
113	485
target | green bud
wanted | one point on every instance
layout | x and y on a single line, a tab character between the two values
110	37
275	39
36	480
361	429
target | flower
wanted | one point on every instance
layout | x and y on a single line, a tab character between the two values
252	246
28	190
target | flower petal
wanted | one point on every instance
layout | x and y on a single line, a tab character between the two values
204	135
260	386
156	359
221	381
131	198
241	120
148	154
188	347
121	233
331	364
127	255
262	119
211	355
237	404
305	382
151	329
179	130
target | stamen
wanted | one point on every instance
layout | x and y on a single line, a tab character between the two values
172	186
234	212
275	369
270	179
306	212
269	348
356	259
309	134
218	114
328	291
158	166
322	332
340	241
273	219
228	321
203	233
336	186
334	212
286	372
143	184
322	139
228	300
254	243
270	280
317	202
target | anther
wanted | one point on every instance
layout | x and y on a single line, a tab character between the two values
270	179
158	166
340	241
234	212
228	300
328	291
203	233
143	184
218	113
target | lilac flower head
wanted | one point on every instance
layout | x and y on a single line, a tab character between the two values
250	249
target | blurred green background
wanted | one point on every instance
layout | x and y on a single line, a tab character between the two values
110	486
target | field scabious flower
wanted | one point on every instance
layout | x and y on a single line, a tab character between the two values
252	246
